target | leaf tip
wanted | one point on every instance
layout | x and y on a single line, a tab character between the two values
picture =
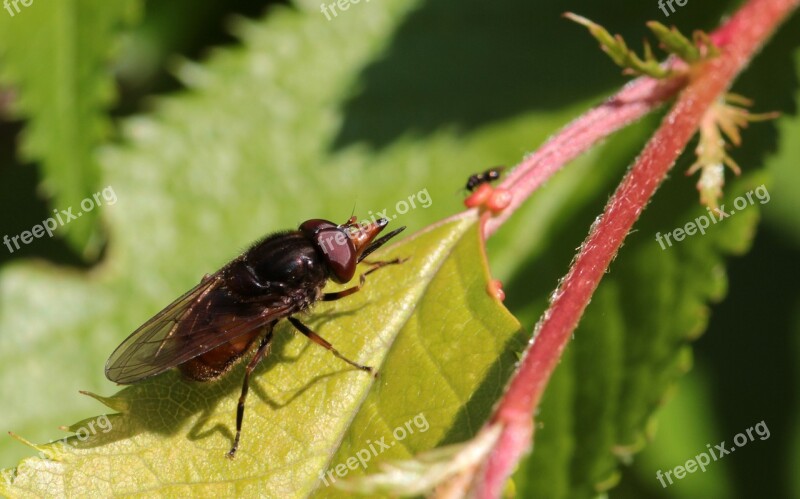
116	403
26	442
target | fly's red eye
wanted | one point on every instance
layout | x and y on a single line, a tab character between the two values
336	246
339	253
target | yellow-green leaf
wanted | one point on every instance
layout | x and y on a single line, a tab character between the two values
443	347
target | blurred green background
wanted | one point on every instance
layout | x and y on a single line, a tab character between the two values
469	69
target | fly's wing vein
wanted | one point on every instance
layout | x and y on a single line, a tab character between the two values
178	333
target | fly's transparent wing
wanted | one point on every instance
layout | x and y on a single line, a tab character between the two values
202	319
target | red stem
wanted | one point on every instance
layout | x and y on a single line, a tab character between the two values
739	39
635	100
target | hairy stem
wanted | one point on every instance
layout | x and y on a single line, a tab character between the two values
635	100
738	39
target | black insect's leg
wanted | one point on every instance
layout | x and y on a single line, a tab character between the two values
349	291
382	263
263	348
319	340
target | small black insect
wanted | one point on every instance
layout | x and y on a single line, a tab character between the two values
489	175
205	331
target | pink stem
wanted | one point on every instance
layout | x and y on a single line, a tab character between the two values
635	100
739	39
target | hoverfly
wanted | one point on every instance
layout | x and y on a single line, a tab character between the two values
489	175
234	310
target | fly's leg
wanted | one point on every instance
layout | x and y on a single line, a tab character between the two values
263	349
319	340
349	291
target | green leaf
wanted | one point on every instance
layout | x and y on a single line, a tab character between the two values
216	184
173	438
55	54
785	206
